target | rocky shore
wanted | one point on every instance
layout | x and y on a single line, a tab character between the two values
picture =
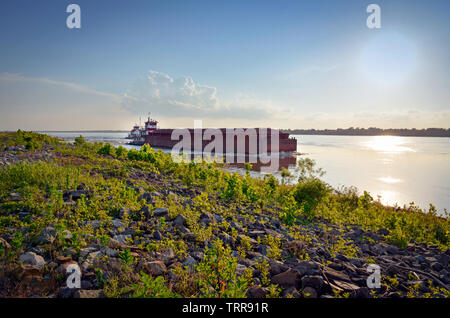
313	259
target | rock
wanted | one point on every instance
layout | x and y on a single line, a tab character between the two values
189	261
157	235
147	197
218	218
206	218
362	292
377	249
94	224
160	212
122	239
256	292
383	232
334	275
391	249
32	259
179	221
295	247
315	282
83	293
87	250
277	267
226	238
47	236
76	195
65	292
63	259
109	252
346	285
437	266
289	278
117	223
309	292
420	259
155	268
167	256
197	255
15	197
291	292
308	268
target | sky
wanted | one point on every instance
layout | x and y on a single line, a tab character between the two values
248	63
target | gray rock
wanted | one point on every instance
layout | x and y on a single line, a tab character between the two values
437	266
94	224
32	258
198	255
226	238
391	249
189	261
109	252
167	255
159	212
383	232
117	223
155	268
47	236
122	239
87	250
179	221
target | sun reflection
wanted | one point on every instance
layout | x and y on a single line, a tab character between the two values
388	197
388	144
389	180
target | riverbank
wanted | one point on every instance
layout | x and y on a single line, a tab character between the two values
140	225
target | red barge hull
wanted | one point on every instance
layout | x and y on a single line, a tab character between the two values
162	138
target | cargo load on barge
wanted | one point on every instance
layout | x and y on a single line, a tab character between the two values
254	138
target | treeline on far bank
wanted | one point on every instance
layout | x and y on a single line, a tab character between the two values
373	131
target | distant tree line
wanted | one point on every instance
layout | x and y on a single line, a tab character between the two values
373	131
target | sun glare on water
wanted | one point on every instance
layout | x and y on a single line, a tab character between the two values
391	144
389	180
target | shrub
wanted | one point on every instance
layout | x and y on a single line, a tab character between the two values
309	193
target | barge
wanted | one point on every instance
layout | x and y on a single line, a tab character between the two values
253	138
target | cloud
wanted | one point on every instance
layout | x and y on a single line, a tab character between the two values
163	95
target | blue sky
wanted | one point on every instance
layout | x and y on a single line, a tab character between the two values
282	64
